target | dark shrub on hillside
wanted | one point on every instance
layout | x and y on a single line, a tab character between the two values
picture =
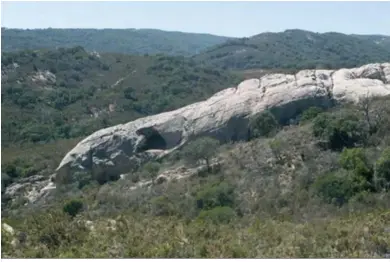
216	195
382	170
338	132
337	188
263	124
73	207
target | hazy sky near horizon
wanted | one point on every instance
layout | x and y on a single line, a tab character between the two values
237	19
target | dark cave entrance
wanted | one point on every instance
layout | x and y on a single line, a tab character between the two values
154	141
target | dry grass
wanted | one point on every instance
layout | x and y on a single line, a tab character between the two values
362	235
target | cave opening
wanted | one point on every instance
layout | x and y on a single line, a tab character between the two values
154	141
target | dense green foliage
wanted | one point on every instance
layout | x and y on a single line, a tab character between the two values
382	170
290	49
213	196
263	124
68	93
58	97
339	130
126	41
73	207
336	188
355	160
339	187
298	49
310	114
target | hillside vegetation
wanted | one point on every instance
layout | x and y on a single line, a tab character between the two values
70	93
316	185
315	189
63	95
126	41
298	49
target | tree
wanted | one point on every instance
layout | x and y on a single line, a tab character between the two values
263	124
337	188
376	115
354	159
310	113
215	196
201	149
73	207
364	106
338	132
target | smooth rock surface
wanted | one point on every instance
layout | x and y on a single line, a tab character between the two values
119	149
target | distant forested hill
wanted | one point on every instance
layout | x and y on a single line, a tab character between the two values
128	41
298	49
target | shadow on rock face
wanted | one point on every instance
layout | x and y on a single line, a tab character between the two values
153	140
293	109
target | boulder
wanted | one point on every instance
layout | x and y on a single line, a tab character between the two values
31	188
8	229
122	148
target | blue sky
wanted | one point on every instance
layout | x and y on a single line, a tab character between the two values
221	18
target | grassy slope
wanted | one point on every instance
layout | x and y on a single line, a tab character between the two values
277	210
361	235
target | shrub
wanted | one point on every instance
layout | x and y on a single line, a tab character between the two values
161	206
216	195
263	124
53	229
12	170
355	161
73	207
336	188
310	114
217	215
82	178
276	148
338	132
5	181
151	169
382	170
